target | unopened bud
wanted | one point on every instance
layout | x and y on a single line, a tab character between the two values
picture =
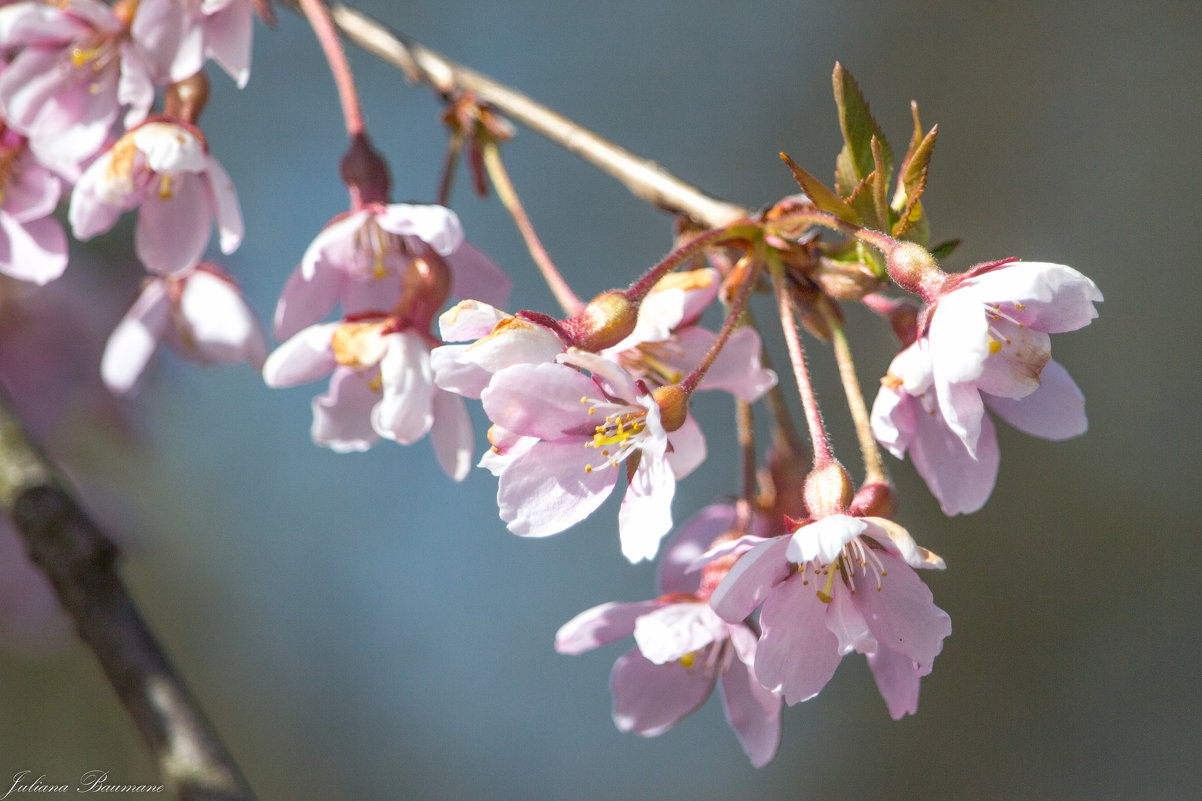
606	320
673	405
364	172
828	490
914	269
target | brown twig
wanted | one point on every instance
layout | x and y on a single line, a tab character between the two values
80	562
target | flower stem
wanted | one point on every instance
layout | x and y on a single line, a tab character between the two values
819	441
874	465
645	179
639	289
319	19
505	191
734	317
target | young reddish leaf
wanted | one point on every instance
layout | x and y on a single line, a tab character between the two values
823	198
855	160
880	183
912	182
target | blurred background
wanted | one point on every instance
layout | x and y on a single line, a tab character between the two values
358	627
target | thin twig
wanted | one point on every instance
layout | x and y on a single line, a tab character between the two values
646	179
80	562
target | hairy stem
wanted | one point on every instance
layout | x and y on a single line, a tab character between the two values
80	562
874	465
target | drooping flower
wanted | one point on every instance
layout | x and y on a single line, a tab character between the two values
683	650
585	428
984	353
381	387
836	585
33	246
164	170
200	314
989	334
74	70
179	35
360	260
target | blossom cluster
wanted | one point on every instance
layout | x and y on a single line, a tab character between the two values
761	594
78	82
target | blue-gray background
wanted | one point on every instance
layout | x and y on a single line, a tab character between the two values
360	628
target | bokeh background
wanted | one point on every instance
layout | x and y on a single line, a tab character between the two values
358	627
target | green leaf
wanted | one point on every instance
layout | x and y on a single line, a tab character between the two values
855	160
912	181
824	199
944	249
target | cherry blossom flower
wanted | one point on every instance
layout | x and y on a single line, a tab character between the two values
178	35
984	354
164	170
989	334
836	585
73	71
586	427
381	387
33	246
360	259
200	314
683	650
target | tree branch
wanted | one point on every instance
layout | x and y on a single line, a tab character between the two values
645	179
80	562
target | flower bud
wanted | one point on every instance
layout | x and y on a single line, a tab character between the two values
364	172
606	320
914	269
828	489
673	406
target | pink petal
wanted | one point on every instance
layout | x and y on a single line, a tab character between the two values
646	512
752	711
688	448
754	575
223	326
797	654
474	275
961	483
894	419
38	24
897	679
844	620
342	417
135	338
226	211
469	320
902	614
959	338
1013	372
34	251
404	413
454	374
90	213
542	400
228	40
437	226
692	538
1055	298
546	489
1055	411
823	539
962	410
674	630
305	357
737	369
451	435
173	231
32	191
600	625
332	246
304	301
649	699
